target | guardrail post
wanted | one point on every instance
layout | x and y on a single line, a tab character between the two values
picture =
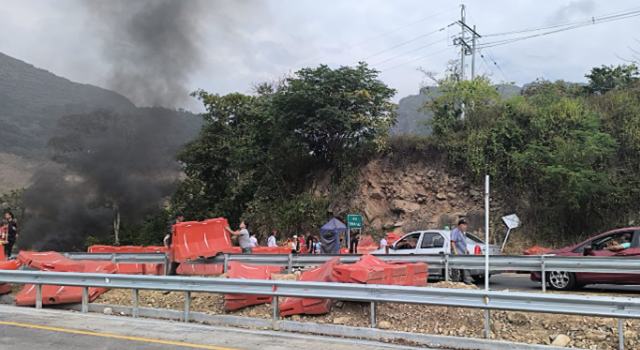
276	312
620	334
372	313
167	265
38	296
113	258
85	299
187	305
543	275
487	323
135	299
446	267
290	263
225	265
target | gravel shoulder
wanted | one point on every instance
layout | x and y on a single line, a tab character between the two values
533	328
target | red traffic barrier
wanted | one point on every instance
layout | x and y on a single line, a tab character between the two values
10	265
296	306
98	248
246	271
195	269
359	273
5	288
49	261
196	239
371	270
417	274
53	295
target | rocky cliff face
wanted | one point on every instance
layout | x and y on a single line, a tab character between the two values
408	195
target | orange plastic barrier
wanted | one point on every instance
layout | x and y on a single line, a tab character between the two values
358	273
366	245
536	250
371	270
10	265
49	261
297	306
194	269
417	274
5	288
247	271
196	239
126	249
52	294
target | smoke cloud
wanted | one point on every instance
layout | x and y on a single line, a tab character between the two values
103	160
152	47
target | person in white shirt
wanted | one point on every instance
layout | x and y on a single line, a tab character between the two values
253	240
383	245
271	241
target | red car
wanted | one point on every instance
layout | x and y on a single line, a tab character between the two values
618	242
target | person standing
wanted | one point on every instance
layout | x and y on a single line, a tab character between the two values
12	232
168	238
353	249
253	240
459	247
244	239
384	246
272	240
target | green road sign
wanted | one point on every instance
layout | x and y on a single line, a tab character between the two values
354	221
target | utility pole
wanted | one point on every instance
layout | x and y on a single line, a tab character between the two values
473	53
462	45
465	48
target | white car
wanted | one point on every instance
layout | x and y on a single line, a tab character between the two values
437	242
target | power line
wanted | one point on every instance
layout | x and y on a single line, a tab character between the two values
381	35
414	39
417	58
497	66
397	29
411	51
575	26
535	29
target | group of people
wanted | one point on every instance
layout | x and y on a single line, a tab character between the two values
8	232
298	244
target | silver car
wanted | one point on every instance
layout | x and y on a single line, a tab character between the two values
433	242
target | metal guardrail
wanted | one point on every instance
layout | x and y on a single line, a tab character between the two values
617	307
140	258
470	262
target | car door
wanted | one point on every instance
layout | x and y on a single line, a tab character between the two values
600	249
408	244
432	243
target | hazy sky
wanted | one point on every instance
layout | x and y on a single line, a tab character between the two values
245	42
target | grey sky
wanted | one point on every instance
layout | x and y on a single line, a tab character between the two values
247	42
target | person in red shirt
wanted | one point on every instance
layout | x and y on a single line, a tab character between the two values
303	245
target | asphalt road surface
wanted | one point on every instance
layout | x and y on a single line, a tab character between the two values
521	282
28	329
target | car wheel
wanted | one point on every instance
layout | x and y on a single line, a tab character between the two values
561	280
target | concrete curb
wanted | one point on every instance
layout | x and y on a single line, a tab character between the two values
374	334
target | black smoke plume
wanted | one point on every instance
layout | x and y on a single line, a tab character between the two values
152	47
103	161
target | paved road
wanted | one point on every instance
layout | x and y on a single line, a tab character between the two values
521	282
28	329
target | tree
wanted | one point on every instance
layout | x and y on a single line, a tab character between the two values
256	152
335	112
606	78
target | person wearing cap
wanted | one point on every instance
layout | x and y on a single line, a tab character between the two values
459	247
